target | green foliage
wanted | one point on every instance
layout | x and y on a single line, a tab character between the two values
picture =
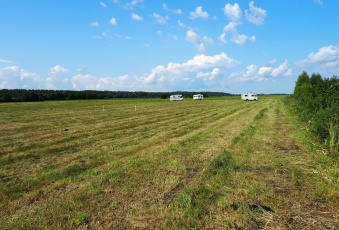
20	95
316	101
222	165
194	201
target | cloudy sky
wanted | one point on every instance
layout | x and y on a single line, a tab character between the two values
150	45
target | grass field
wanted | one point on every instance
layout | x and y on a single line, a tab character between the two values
220	163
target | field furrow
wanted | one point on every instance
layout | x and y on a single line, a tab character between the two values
151	164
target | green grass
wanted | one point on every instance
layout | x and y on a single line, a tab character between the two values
204	164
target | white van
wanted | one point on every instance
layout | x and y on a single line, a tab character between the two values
249	97
198	97
177	97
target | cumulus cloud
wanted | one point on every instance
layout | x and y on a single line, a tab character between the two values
264	73
240	39
162	20
210	76
198	41
57	78
199	13
113	21
90	82
233	12
190	70
14	77
57	70
192	37
136	17
326	57
255	14
177	11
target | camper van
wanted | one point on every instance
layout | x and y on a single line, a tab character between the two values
177	97
249	97
198	97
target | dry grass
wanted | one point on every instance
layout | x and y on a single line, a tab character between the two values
154	164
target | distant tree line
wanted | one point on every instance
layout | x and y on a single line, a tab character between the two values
316	102
23	95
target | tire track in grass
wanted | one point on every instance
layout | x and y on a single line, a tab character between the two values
271	176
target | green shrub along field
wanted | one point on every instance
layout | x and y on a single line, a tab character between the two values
219	163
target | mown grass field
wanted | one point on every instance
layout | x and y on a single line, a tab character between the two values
220	163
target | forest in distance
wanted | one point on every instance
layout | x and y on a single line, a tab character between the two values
31	95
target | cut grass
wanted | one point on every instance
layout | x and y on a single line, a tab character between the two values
219	163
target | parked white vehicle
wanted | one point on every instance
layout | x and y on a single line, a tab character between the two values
198	97
249	97
177	97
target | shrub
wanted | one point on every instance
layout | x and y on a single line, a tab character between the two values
316	101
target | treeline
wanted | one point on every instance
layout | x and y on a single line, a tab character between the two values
316	101
23	95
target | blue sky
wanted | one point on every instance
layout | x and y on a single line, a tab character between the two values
160	46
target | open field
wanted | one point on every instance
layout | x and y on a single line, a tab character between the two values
219	163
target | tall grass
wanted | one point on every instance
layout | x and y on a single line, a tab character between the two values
333	130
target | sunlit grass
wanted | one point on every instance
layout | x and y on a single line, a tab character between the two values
153	164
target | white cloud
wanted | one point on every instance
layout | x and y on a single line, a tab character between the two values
182	25
201	48
319	2
177	11
173	36
113	21
94	24
255	15
280	70
90	82
4	61
133	4
233	12
231	26
58	78
264	73
207	40
57	70
210	76
136	17
265	70
160	19
326	57
240	39
222	38
192	37
174	72
198	42
199	13
103	4
13	77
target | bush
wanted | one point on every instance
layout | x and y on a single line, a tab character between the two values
316	101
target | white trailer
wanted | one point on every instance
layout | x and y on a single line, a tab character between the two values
177	97
249	96
198	97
